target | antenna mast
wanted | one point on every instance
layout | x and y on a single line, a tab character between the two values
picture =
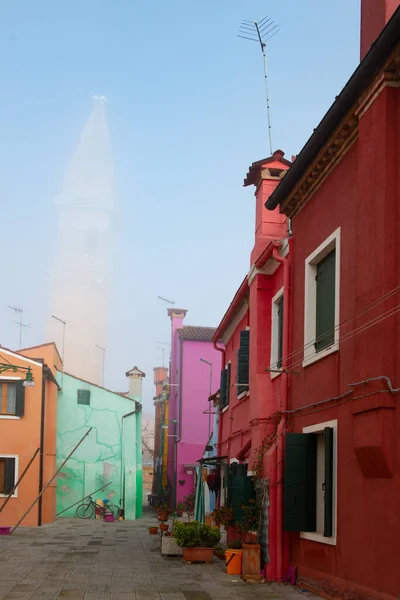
19	311
261	32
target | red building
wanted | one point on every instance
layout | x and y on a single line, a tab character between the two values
342	456
252	335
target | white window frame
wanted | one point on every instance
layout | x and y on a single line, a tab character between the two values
16	458
4	378
310	298
317	537
275	332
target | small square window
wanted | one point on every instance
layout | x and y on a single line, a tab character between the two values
84	397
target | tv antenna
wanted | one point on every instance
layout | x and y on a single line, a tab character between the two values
261	32
19	311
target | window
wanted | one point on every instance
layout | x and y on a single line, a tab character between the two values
310	482
321	306
84	397
12	398
8	474
242	365
225	387
277	333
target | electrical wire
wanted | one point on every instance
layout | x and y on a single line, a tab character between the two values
360	313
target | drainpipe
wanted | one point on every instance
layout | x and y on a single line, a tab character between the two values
222	350
285	394
133	412
41	455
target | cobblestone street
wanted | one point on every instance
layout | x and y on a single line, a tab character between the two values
113	561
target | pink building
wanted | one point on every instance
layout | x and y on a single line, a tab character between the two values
194	376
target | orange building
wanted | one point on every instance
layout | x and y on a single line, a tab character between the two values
27	423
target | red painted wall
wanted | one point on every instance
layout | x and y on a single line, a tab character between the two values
361	196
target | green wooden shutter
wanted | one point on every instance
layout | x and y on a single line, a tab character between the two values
222	390
240	489
20	399
9	478
328	487
228	383
243	361
280	332
325	302
300	481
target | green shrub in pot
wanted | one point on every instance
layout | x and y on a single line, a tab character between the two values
196	535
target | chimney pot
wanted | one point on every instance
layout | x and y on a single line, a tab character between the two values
374	16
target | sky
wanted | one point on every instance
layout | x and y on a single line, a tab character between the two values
187	116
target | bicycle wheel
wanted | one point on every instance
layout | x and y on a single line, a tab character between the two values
85	511
114	510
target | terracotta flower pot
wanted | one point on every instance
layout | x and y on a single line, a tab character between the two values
163	515
153	530
251	559
179	513
168	534
198	554
164	526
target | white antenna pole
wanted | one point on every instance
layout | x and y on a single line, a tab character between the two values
261	32
19	323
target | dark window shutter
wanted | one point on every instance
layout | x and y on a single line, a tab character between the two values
242	376
228	383
84	397
300	482
222	390
280	332
328	488
9	479
20	400
240	489
325	302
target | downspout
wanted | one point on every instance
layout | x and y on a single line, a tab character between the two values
133	412
285	394
41	455
222	350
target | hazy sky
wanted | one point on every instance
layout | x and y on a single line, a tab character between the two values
187	117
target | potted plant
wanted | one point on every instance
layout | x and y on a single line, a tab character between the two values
164	527
179	509
247	528
223	516
162	512
188	505
219	552
198	540
153	530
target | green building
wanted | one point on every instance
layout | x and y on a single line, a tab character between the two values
111	453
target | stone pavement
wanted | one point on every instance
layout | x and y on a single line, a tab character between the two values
93	560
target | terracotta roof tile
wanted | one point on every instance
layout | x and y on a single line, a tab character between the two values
201	334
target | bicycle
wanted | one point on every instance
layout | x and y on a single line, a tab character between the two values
87	509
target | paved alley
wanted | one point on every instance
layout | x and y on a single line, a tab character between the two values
93	560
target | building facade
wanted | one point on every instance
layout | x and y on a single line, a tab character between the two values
251	341
342	478
160	439
28	430
110	454
194	376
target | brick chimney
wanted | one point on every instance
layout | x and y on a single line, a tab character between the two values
374	16
265	175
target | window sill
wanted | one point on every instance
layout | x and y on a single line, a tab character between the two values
312	358
243	395
10	417
224	409
11	497
318	537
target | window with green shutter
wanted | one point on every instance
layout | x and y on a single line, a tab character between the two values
222	390
243	361
280	332
84	397
7	474
325	302
309	482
